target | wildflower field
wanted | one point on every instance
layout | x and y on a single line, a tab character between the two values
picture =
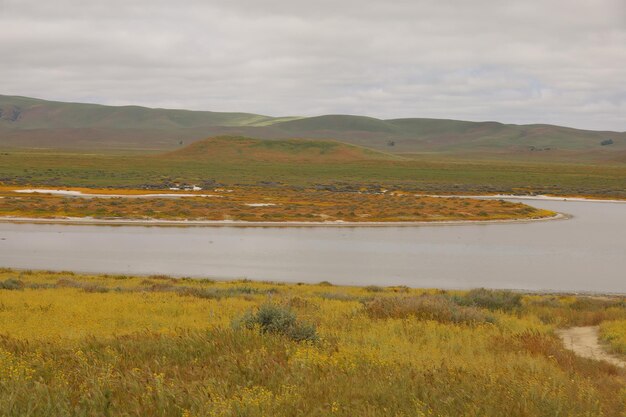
614	333
259	204
103	345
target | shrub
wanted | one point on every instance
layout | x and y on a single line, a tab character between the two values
11	284
95	288
66	282
340	296
299	302
596	304
85	286
277	319
161	277
490	299
374	288
399	288
41	286
425	307
217	293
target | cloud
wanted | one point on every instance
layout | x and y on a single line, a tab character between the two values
544	61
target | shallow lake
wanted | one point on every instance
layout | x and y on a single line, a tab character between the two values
584	253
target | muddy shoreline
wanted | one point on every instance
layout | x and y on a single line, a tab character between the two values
242	223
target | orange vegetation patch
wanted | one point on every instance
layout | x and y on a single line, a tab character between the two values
266	204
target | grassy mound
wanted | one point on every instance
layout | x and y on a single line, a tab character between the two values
238	149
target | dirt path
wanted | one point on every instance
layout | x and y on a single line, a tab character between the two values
584	342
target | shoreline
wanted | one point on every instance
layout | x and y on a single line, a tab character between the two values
74	221
232	279
68	192
527	197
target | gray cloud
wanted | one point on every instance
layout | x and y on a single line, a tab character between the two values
545	61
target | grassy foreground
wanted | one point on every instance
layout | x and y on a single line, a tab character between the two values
114	345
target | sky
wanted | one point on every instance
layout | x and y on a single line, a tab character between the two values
533	61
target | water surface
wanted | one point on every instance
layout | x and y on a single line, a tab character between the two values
585	253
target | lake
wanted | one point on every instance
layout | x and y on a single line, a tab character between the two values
584	253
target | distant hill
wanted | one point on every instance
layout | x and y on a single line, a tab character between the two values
30	113
28	122
241	149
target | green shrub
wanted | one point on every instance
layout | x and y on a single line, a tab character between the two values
277	319
340	296
85	286
425	307
11	284
217	293
596	304
491	299
374	288
94	288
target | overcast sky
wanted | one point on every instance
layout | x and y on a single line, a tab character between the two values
549	61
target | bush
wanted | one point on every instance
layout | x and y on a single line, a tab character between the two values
425	307
218	293
85	286
374	288
276	319
491	299
340	296
11	284
94	288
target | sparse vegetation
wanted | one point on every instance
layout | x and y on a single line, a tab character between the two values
268	204
490	299
426	174
426	307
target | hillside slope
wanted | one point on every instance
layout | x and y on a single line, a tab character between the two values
29	113
34	123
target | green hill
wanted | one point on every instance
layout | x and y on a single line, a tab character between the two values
29	113
33	123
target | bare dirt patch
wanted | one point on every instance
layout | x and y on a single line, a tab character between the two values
584	342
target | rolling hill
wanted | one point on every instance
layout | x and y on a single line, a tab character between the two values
34	123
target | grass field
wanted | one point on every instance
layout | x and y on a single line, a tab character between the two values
259	204
113	345
432	174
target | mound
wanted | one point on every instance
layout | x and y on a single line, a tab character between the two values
241	149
